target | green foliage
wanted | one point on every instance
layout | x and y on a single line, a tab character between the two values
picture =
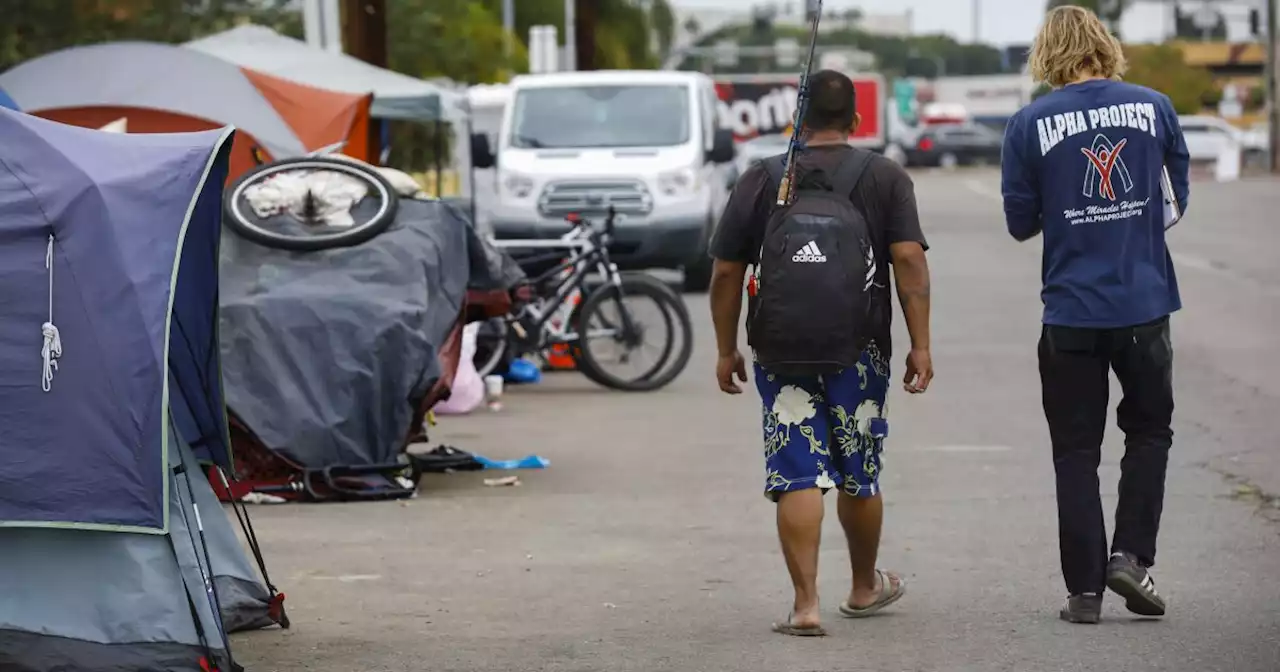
32	28
663	20
624	31
915	56
1163	68
457	39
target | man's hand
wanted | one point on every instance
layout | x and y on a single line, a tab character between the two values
919	371
726	367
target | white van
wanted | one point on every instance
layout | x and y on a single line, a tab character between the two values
487	104
647	142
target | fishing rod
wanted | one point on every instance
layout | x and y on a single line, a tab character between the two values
796	144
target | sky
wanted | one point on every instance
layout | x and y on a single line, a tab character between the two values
1001	21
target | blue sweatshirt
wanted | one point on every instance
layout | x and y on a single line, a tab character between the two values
1083	165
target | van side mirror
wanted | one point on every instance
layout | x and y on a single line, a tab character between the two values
722	150
482	156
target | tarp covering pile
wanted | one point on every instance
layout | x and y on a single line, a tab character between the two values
109	369
329	355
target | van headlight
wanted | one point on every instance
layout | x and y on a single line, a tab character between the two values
517	185
678	182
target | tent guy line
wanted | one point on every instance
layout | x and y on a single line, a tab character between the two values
52	348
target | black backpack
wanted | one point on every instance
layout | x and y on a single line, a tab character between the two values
813	308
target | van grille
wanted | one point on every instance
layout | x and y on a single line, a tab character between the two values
628	197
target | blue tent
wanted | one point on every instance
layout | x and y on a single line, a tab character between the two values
6	101
108	320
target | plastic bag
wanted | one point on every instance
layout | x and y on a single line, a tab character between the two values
468	387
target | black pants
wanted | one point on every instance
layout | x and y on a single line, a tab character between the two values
1074	380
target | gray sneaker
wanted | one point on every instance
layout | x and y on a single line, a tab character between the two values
1086	608
1130	580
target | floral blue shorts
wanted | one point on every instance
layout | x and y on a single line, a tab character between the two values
825	431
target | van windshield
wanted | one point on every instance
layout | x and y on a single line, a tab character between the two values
646	115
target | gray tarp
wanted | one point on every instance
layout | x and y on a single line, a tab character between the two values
326	353
151	75
395	96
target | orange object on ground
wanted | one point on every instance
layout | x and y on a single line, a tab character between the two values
559	357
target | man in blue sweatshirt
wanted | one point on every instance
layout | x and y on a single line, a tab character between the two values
1083	165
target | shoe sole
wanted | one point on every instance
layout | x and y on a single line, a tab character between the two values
1087	619
1136	598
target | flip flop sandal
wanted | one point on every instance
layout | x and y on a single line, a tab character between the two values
786	628
887	597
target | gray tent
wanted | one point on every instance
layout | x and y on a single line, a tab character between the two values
154	76
395	96
109	602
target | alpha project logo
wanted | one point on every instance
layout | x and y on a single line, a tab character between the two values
1105	164
809	254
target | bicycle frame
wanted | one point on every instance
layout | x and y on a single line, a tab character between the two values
590	252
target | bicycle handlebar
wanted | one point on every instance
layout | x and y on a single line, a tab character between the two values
584	223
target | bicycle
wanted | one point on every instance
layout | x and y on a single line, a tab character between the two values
558	307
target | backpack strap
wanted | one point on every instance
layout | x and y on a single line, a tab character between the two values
773	168
851	170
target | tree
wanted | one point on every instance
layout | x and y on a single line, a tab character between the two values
622	34
895	56
33	28
664	25
1162	67
457	39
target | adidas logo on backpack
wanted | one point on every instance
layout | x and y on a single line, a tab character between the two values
809	254
814	305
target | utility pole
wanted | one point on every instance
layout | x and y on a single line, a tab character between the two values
1273	111
508	24
977	21
364	35
570	36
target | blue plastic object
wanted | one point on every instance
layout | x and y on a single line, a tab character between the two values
523	371
530	462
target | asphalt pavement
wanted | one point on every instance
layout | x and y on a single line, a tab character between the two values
647	545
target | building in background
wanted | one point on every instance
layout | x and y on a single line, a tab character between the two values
1158	20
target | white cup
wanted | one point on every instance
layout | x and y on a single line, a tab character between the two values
493	387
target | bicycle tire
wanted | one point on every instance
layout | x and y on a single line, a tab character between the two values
676	318
244	226
489	360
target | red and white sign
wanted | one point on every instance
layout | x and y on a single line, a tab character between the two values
756	105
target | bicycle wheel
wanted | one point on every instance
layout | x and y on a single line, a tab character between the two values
291	226
625	328
493	343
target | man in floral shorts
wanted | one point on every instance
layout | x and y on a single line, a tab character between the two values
825	432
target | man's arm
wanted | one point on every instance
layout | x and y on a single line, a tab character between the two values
1021	198
911	274
726	303
907	247
735	244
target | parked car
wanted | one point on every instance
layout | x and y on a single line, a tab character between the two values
1207	136
953	145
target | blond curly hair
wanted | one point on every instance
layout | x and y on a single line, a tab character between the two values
1073	43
